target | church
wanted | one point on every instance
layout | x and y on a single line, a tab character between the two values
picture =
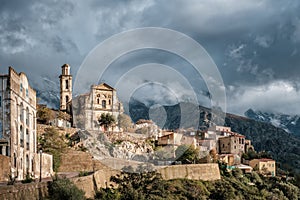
86	109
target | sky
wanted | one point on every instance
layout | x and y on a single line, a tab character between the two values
255	44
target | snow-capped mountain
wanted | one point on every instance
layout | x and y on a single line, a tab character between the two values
47	92
290	123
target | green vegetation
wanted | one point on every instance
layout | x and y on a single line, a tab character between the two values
106	120
28	179
44	115
233	185
187	154
254	155
83	173
53	143
62	188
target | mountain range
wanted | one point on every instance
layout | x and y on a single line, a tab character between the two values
290	123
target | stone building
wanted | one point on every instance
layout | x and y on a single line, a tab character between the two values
264	166
87	108
232	144
18	123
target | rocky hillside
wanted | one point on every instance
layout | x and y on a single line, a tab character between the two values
283	146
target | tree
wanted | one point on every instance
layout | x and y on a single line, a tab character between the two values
106	120
187	154
213	155
44	115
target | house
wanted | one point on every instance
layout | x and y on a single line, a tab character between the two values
18	137
176	139
232	144
264	166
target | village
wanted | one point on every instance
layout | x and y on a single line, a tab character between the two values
81	120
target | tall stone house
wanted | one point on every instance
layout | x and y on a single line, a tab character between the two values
87	108
18	123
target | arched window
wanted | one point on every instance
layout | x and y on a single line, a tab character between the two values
109	102
67	99
103	104
98	101
21	112
27	116
21	136
27	163
67	84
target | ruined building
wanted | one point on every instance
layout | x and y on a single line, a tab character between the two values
87	108
17	124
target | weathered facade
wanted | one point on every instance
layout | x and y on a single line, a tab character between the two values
232	144
18	123
87	108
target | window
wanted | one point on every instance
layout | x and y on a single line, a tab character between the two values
67	84
98	101
21	87
21	112
15	160
103	104
21	136
27	116
27	163
109	102
67	99
27	93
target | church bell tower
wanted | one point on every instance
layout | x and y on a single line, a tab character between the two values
65	87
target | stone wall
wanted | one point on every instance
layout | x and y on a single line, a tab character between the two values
206	172
90	184
75	161
29	191
47	165
5	168
101	178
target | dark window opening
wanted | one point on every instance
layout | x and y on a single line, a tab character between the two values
67	84
67	99
103	104
98	101
15	160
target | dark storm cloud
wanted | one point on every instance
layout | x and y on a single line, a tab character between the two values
255	44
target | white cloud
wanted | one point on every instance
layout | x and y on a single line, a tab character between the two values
278	96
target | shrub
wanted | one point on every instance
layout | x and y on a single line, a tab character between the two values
62	188
28	179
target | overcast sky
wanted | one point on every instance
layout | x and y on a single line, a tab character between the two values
255	44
